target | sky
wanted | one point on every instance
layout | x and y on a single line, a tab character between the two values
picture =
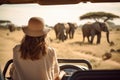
19	14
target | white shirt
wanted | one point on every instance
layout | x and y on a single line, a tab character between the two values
45	68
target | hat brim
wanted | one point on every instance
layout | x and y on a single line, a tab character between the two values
33	33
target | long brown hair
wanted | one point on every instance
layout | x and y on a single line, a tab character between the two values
33	47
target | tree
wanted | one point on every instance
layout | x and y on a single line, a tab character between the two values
5	21
99	16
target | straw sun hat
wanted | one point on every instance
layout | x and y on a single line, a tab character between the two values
35	27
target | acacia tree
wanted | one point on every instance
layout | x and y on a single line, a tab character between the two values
99	16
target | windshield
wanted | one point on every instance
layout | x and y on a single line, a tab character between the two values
101	56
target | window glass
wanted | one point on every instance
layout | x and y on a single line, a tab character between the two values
101	56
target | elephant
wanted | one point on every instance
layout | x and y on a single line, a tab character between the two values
11	27
72	26
63	30
60	31
92	29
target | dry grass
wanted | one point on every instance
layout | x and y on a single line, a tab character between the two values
71	48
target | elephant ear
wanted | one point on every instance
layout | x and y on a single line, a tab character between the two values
105	26
96	26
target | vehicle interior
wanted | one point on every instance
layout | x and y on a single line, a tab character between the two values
85	71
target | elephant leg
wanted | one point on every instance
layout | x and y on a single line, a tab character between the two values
92	33
61	37
98	38
58	36
72	34
88	39
66	36
56	33
83	38
92	39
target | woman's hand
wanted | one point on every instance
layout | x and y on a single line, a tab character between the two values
62	73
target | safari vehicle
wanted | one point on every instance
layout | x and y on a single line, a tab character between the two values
74	72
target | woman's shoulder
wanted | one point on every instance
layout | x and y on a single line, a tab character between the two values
51	48
16	47
51	51
16	51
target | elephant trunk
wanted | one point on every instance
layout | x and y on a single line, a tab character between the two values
107	35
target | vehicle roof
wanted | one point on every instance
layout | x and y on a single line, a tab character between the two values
53	2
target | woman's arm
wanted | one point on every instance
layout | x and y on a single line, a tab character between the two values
58	74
